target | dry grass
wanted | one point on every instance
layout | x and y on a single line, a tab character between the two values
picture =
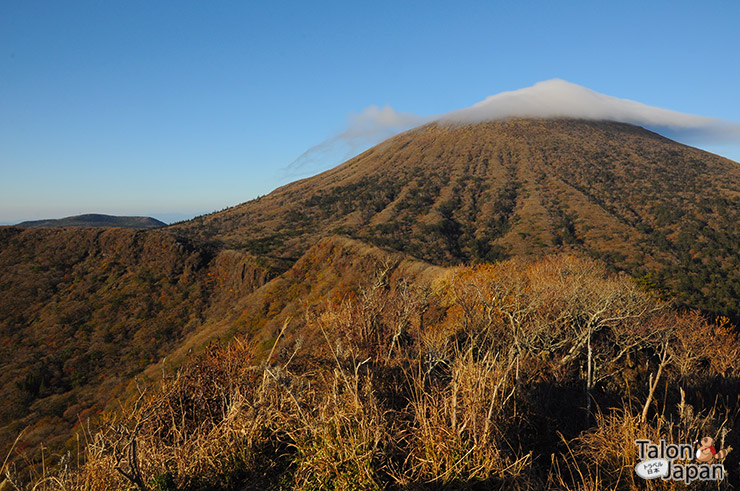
604	456
428	386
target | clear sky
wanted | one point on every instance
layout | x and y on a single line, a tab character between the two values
184	107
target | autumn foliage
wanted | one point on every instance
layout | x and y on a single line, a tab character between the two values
517	375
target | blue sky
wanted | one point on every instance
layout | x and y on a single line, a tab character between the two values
185	107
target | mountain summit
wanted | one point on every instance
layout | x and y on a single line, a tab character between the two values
550	99
453	193
558	98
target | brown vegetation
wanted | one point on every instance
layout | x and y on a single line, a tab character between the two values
528	358
84	311
480	378
466	194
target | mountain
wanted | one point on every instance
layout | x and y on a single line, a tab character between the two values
96	220
452	194
87	313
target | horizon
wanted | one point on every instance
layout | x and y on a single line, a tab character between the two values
170	218
173	111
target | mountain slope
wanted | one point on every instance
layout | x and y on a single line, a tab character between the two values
453	194
87	310
83	311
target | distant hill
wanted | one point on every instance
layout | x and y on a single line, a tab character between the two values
96	220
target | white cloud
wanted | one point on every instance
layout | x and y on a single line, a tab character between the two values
371	126
560	99
554	98
375	121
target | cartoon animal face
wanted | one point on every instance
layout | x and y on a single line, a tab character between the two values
707	453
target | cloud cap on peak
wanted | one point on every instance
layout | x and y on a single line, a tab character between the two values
550	99
558	98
